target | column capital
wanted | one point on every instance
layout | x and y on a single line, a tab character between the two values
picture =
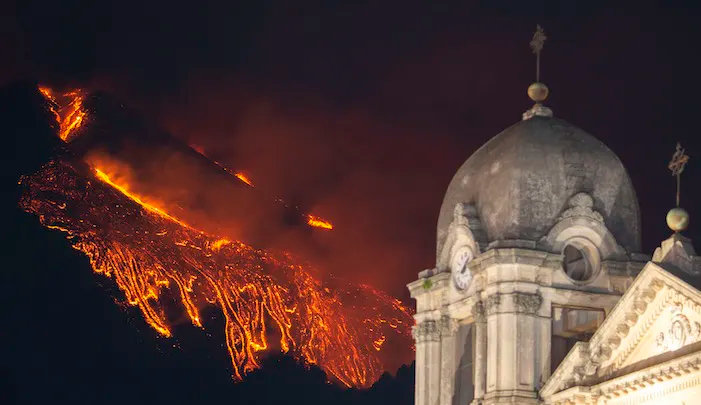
478	312
492	304
527	303
426	331
448	326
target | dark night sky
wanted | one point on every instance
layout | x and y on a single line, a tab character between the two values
359	111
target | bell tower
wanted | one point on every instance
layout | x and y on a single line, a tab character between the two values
536	243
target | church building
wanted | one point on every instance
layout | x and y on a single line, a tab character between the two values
541	294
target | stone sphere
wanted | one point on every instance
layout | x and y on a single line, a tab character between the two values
538	92
677	219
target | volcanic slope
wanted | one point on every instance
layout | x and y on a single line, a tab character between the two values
270	302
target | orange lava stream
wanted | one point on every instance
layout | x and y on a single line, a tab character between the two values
124	189
318	222
244	178
268	303
68	110
312	220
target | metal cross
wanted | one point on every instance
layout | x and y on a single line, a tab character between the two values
676	165
537	45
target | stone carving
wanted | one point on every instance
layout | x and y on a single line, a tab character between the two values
431	330
527	303
598	363
478	312
582	205
590	368
681	332
465	230
493	302
426	331
448	326
601	354
537	110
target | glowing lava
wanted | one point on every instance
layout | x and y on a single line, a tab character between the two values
244	178
68	109
269	303
318	222
124	189
311	220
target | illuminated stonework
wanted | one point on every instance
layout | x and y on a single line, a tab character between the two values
648	350
559	309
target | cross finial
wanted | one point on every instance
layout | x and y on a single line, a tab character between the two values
538	91
537	45
676	165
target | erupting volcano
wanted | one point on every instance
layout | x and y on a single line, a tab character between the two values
67	108
269	301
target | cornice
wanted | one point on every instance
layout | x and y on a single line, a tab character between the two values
635	382
529	257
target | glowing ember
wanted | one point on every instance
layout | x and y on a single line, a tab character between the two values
244	178
268	303
318	222
68	110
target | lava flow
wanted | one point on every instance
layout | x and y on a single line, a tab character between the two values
269	302
311	220
244	178
318	222
67	108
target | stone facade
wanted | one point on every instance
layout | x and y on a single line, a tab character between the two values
565	316
647	351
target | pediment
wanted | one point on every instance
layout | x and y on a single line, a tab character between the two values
657	319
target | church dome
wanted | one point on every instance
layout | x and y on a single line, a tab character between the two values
521	180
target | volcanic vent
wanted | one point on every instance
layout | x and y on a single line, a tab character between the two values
269	301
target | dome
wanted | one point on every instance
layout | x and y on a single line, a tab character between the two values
521	180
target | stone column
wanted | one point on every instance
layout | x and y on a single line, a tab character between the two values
427	337
448	329
528	329
480	351
493	347
513	348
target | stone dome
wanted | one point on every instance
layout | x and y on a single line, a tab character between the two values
520	182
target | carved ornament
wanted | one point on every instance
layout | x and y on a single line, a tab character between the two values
426	331
527	303
582	205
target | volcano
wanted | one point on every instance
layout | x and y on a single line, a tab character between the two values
167	173
177	233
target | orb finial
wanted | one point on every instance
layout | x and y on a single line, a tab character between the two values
678	218
538	91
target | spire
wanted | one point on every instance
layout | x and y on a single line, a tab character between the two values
677	252
678	218
537	46
538	91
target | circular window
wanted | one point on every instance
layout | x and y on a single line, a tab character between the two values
580	260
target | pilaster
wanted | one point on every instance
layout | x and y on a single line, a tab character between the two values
448	329
428	363
513	359
478	314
